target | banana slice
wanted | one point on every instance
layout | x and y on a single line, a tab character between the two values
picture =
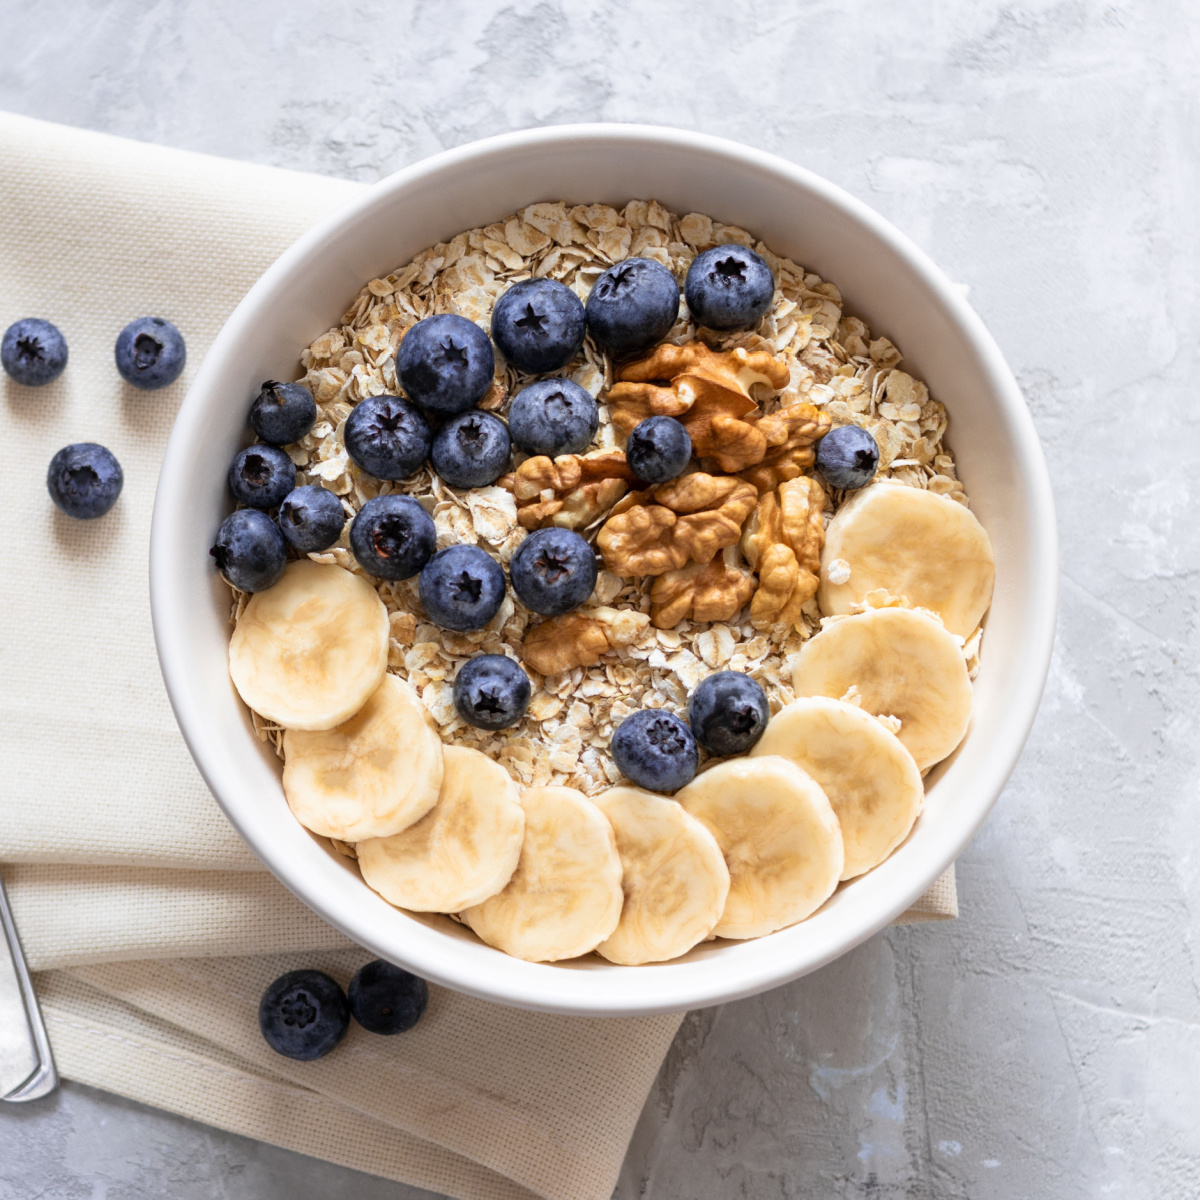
780	838
911	543
308	652
904	664
675	879
565	896
370	777
462	851
865	771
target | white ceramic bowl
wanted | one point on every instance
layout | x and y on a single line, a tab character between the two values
882	276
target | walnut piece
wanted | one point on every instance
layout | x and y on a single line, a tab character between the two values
702	593
578	639
572	490
782	542
692	517
791	435
709	394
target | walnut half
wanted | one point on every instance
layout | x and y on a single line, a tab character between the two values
782	542
701	593
572	490
578	639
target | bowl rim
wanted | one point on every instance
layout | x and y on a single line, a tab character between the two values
689	989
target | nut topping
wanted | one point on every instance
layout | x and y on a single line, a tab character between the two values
572	490
578	639
782	542
702	593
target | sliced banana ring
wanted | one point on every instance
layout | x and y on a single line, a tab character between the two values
779	836
674	878
912	543
462	851
373	775
903	664
869	777
565	896
308	652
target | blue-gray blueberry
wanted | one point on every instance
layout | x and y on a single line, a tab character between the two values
385	998
729	287
150	353
553	416
282	413
658	449
553	571
445	364
655	750
728	712
461	588
848	457
539	325
261	476
471	450
311	519
392	537
84	480
303	1015
387	437
33	351
632	306
249	550
491	691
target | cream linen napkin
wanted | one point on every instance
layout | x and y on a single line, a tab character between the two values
115	849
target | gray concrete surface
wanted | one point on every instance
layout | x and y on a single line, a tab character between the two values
1048	1044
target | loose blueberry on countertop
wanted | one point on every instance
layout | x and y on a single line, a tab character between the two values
392	537
33	351
445	363
728	712
658	449
282	412
249	550
471	450
84	480
655	750
461	588
261	476
729	287
311	519
632	306
387	437
539	325
150	353
553	416
303	1015
847	457
387	999
491	691
553	571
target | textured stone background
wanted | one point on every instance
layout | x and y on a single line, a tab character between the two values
1048	1044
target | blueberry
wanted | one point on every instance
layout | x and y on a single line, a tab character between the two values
538	325
303	1015
491	691
445	363
655	750
392	537
311	519
387	437
84	480
282	412
553	416
658	449
386	998
632	306
462	587
553	571
33	351
261	476
728	712
249	550
471	450
150	353
847	457
729	287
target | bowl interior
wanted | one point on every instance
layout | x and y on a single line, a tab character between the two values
883	279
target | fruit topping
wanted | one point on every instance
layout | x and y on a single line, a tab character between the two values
658	449
387	999
261	476
249	551
847	457
462	588
553	571
150	353
282	413
303	1015
491	691
655	749
33	352
728	713
553	417
632	306
538	325
471	450
729	287
392	537
311	519
84	480
387	437
445	363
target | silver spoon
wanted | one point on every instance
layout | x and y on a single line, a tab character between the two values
26	1063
